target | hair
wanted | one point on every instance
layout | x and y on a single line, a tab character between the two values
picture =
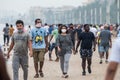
7	24
61	29
59	25
45	24
19	22
86	25
11	25
37	20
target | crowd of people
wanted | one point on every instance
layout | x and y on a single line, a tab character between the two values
65	39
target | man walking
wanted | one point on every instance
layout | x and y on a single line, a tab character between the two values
39	45
21	41
106	42
6	34
87	39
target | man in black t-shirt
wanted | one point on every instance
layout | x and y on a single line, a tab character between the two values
86	39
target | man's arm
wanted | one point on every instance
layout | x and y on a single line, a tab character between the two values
46	42
30	48
51	38
94	42
10	48
78	43
110	42
111	71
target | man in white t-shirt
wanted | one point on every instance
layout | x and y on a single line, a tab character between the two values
46	27
114	60
93	29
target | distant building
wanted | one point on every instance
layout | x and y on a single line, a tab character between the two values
49	15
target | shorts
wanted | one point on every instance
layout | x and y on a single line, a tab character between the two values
38	56
86	53
104	48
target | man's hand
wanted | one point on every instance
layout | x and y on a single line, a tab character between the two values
75	52
46	49
59	49
31	54
94	49
110	45
8	55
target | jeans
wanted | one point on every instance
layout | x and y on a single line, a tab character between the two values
64	62
6	37
17	61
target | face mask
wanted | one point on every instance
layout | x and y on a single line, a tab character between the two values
38	25
20	31
63	30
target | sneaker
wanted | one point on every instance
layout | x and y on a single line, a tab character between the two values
41	74
101	62
106	61
7	44
83	73
89	70
57	60
65	76
36	76
50	59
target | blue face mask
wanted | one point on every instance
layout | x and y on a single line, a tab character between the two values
20	31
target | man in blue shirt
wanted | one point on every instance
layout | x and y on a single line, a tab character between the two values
39	45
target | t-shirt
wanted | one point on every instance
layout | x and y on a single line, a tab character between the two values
78	32
87	38
105	36
47	29
94	30
6	31
115	53
98	34
38	38
65	43
55	33
50	29
11	30
72	34
20	43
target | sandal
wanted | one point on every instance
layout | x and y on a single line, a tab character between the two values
41	74
36	76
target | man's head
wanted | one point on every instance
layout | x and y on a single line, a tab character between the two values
38	23
86	28
71	26
45	24
7	25
20	25
11	25
105	26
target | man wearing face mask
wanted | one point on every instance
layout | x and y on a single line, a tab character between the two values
21	41
39	45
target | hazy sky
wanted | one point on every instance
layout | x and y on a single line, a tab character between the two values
23	5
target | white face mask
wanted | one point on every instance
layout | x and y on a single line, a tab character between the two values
38	25
63	30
